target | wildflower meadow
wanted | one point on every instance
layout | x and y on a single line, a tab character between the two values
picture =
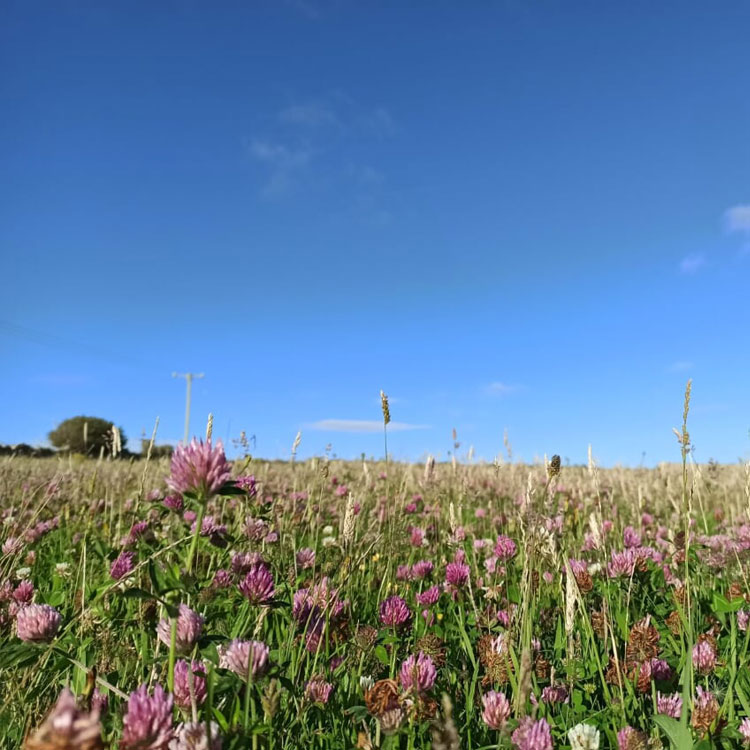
198	603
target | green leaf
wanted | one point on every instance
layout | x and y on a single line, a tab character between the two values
514	594
230	488
680	736
743	698
221	720
156	574
382	655
358	713
721	604
19	655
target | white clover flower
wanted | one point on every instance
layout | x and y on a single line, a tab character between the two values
595	568
62	569
23	573
366	682
329	541
327	530
498	644
584	737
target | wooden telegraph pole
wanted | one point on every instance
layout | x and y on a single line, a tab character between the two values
189	380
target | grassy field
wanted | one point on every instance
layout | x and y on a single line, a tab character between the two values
329	604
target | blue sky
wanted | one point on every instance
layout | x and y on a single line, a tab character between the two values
532	216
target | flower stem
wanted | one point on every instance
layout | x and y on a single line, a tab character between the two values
248	688
196	534
172	652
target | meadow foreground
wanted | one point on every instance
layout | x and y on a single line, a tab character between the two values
328	604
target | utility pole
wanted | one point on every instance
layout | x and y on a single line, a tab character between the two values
189	380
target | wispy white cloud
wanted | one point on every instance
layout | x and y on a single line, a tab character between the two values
362	425
378	122
284	163
680	366
737	219
692	263
502	389
365	175
311	146
279	155
310	114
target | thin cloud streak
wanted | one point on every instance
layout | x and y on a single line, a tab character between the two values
680	366
737	219
310	114
362	425
285	164
502	389
692	263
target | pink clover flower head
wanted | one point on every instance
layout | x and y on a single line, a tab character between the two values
194	736
421	569
505	547
258	586
622	564
660	670
628	737
24	592
222	579
245	658
704	657
555	694
148	721
243	561
183	673
122	565
429	597
630	537
669	705
248	484
311	606
318	691
99	701
255	528
457	574
138	530
189	629
199	468
418	673
704	699
496	710
394	612
173	502
744	730
403	573
306	558
68	727
37	622
532	735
